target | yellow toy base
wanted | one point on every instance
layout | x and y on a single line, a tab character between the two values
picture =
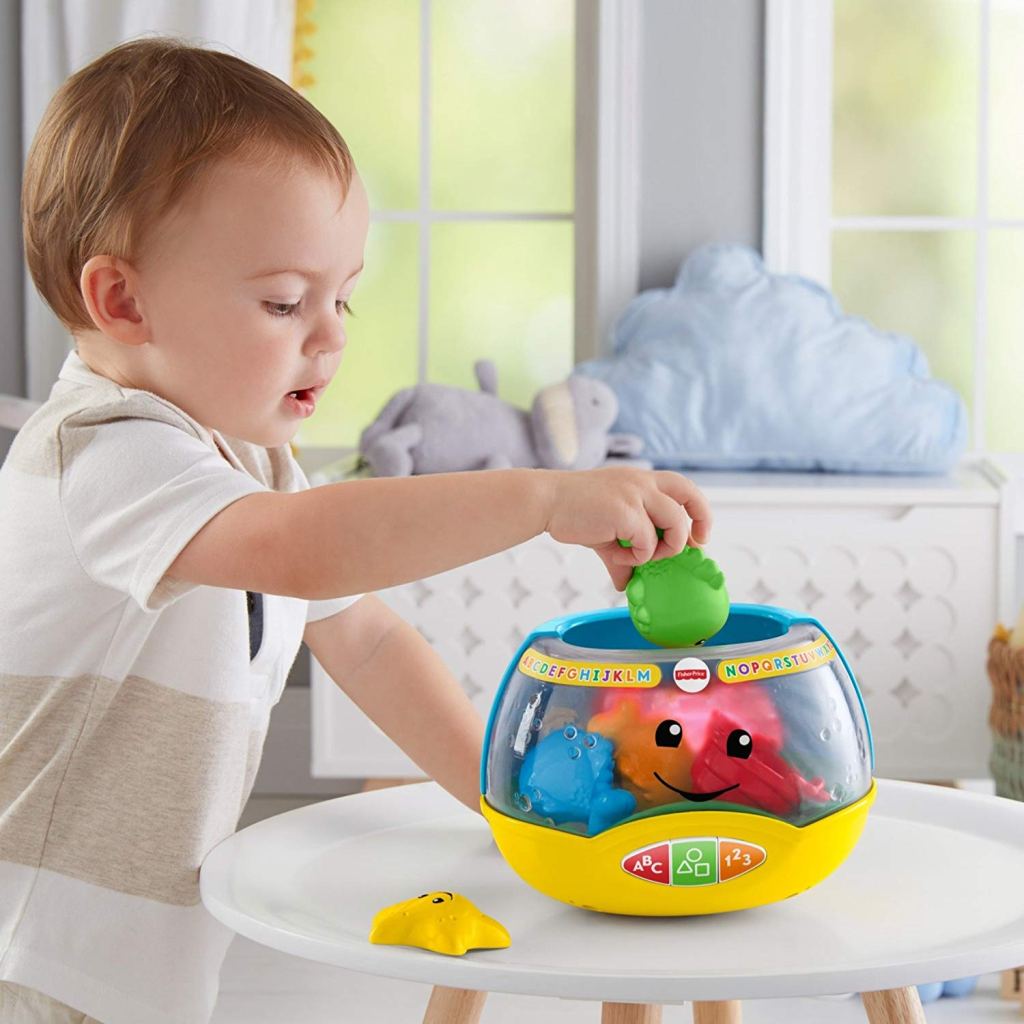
682	863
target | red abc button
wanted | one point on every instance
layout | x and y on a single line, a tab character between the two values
736	858
651	863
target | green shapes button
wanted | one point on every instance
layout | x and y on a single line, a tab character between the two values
695	862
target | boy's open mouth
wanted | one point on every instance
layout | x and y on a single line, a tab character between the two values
302	401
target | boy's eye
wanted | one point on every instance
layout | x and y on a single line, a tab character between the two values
280	308
288	308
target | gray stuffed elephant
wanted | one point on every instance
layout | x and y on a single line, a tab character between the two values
435	428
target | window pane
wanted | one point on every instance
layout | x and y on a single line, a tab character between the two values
382	354
905	107
1004	347
502	105
1006	131
366	80
916	283
502	290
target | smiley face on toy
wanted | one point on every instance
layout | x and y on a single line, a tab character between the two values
658	734
669	734
724	743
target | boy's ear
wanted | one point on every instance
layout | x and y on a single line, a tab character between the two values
110	290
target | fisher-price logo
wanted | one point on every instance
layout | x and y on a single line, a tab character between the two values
691	675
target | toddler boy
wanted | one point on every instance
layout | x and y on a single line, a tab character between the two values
199	228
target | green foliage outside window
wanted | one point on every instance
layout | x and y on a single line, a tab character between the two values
907	129
497	213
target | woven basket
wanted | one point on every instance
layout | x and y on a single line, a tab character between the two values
1006	673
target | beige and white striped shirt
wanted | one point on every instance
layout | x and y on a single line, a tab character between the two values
132	717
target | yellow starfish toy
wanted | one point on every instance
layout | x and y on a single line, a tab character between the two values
443	922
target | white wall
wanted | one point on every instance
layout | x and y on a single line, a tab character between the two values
703	81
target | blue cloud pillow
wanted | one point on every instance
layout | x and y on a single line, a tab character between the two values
738	368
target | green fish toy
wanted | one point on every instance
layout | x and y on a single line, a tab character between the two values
679	601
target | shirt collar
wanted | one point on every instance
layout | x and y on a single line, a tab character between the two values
75	369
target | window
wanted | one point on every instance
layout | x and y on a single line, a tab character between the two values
461	118
898	122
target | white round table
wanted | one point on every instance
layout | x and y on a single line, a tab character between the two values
933	891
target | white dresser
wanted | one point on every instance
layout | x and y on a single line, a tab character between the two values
909	574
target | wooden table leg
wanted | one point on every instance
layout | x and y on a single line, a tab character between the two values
454	1006
729	1011
894	1006
1010	984
630	1013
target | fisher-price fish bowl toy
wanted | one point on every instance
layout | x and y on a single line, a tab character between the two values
728	772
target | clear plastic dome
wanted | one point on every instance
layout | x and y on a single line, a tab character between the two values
595	727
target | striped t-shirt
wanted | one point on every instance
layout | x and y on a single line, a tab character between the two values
133	708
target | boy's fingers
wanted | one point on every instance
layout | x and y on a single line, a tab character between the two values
620	574
690	496
667	514
642	542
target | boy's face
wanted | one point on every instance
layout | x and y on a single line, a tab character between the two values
242	287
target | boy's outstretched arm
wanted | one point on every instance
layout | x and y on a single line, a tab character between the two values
400	682
365	535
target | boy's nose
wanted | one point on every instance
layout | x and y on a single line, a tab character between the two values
328	338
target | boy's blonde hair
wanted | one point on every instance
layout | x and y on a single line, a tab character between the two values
125	137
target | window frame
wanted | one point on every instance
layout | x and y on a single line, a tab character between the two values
609	60
605	212
798	217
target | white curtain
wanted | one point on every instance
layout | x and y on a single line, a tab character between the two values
60	36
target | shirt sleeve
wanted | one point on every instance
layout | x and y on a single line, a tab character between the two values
134	491
325	609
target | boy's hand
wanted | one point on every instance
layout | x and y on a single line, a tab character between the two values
598	507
